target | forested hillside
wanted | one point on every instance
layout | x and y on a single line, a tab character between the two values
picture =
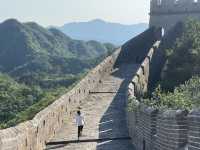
179	87
182	50
37	65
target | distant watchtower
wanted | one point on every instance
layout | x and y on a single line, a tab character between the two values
166	13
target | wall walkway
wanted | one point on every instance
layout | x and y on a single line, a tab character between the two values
104	113
113	73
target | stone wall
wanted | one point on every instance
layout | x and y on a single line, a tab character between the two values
135	50
153	129
140	82
142	127
142	121
166	13
33	134
174	6
194	130
172	129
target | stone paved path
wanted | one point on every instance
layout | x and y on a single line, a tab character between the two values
104	114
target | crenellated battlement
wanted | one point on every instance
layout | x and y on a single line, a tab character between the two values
158	128
174	6
166	13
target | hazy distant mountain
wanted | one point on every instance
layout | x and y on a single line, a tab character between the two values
102	31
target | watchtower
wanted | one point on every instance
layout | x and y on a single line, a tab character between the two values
166	13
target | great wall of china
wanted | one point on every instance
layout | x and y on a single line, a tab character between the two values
153	129
33	134
166	13
149	129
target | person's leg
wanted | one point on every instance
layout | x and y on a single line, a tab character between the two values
79	131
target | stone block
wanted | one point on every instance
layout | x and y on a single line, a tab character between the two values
194	130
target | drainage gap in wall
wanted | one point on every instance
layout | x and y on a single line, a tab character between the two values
44	123
144	145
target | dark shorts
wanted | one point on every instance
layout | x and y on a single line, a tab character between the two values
80	129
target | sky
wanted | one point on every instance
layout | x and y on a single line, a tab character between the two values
59	12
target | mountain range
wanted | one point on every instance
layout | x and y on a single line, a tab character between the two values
102	31
30	46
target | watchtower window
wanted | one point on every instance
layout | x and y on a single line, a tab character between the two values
163	31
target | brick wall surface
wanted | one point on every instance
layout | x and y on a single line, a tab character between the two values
152	129
142	121
194	130
172	129
166	13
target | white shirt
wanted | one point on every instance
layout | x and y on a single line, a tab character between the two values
80	120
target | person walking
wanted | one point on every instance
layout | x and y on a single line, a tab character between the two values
80	123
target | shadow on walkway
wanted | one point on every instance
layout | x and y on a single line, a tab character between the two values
113	132
56	146
113	122
60	144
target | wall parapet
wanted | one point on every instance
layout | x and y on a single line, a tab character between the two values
157	129
142	121
167	13
139	84
172	129
194	130
174	6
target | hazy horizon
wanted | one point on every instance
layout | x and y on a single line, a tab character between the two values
83	21
58	13
108	21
